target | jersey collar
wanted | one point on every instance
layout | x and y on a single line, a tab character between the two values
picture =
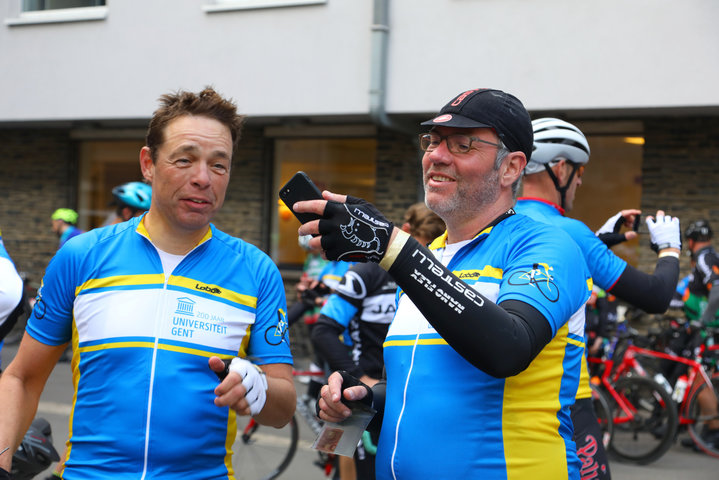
143	231
441	241
547	202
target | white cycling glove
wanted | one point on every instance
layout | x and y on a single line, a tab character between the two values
609	232
254	380
664	232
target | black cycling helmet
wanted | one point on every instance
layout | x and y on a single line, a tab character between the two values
699	231
36	451
135	195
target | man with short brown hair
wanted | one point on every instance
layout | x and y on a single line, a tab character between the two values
157	308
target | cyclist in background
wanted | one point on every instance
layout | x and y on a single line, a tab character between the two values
64	222
701	306
131	199
551	179
483	355
364	303
11	294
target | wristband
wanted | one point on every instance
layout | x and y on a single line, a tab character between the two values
394	248
668	254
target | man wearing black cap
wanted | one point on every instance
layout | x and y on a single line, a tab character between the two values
483	355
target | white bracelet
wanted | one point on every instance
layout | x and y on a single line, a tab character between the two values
669	254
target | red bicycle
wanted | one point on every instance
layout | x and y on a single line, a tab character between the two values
646	438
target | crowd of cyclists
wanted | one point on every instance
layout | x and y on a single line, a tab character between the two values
466	326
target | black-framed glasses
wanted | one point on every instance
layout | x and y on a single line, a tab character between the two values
455	143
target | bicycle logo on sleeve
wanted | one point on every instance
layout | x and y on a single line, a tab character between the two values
540	278
276	334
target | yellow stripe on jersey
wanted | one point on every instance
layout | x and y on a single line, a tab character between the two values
574	342
149	344
487	271
421	341
122	281
584	390
536	388
215	290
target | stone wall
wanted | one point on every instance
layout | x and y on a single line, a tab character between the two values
680	174
38	175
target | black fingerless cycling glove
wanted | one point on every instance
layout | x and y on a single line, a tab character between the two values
354	231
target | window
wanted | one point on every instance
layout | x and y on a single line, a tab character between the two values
343	165
33	12
35	5
104	164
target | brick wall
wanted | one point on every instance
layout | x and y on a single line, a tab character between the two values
680	174
399	174
244	212
39	175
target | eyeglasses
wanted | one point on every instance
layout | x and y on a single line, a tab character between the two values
455	143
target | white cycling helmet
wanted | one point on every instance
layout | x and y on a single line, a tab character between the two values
554	138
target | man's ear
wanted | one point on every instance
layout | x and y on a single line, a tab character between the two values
146	164
513	166
561	171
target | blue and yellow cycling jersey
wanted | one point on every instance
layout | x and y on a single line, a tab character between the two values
143	404
444	418
604	266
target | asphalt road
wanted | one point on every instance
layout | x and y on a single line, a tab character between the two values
678	462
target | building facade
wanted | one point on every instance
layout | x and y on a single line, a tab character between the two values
337	88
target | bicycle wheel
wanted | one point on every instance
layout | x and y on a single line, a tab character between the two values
697	424
603	413
263	453
645	420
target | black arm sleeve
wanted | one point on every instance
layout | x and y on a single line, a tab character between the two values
501	340
325	339
651	293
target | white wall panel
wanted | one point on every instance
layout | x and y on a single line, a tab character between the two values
316	60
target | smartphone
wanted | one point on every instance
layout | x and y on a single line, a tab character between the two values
299	188
635	227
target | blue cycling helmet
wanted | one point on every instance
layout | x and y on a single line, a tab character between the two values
135	195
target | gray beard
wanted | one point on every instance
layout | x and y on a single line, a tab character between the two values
468	199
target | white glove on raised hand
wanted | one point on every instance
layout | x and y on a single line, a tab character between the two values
664	232
254	381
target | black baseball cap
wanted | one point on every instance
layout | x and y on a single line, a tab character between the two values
490	108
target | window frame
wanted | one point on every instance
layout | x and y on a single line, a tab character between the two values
58	15
219	6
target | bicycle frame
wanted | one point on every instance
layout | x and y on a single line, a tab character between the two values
630	363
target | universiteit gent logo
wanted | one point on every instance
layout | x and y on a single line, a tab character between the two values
185	306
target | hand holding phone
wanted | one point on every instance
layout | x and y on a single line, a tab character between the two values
297	189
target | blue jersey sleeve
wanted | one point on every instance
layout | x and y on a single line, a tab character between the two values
339	310
546	270
51	319
604	266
